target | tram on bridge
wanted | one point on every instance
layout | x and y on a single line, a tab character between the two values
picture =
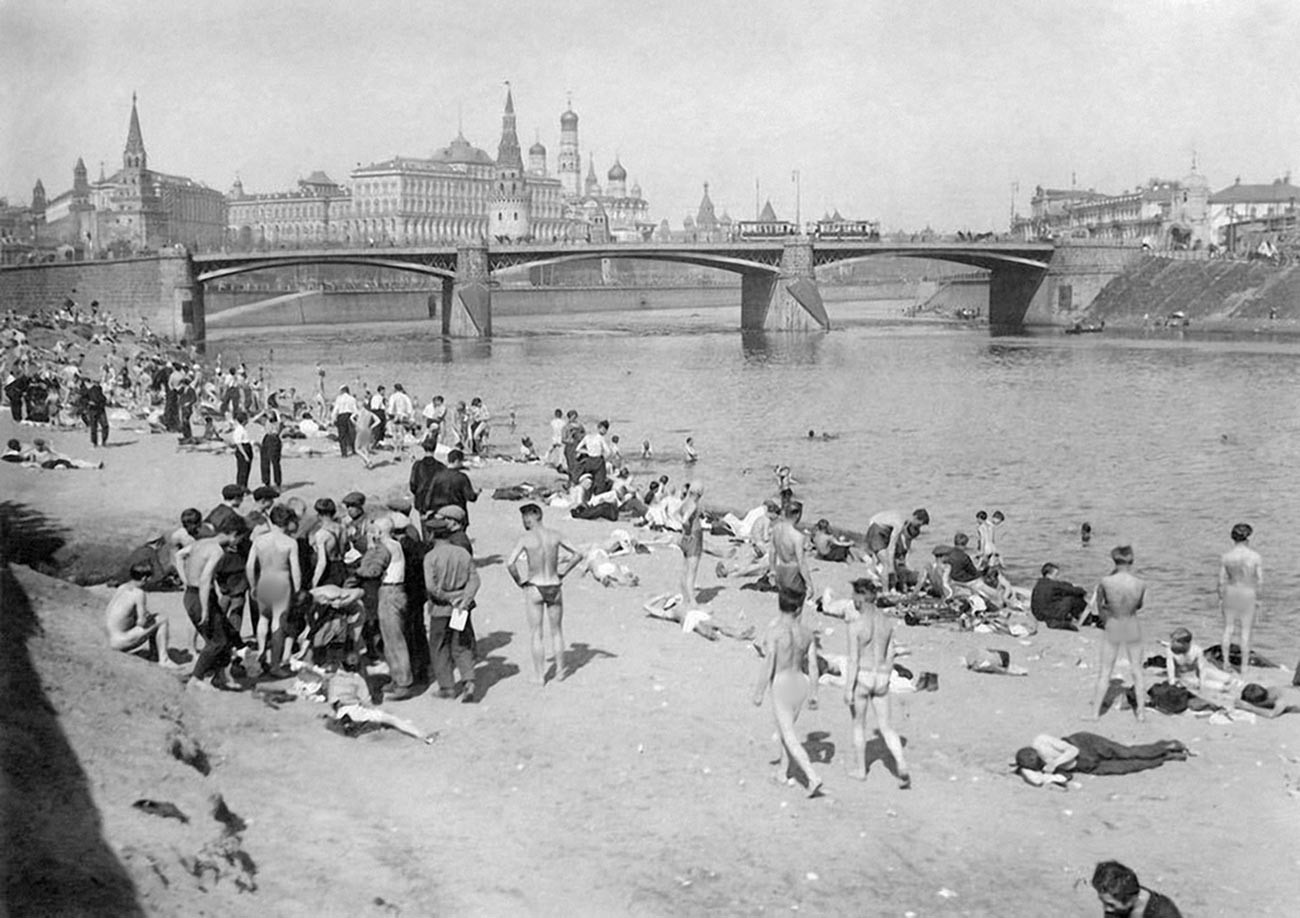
838	230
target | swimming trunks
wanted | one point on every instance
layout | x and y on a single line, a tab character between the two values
789	578
878	537
872	684
550	593
1125	630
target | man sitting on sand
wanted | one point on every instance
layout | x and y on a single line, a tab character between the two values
129	623
543	596
751	559
827	545
789	666
1119	596
1123	897
1058	603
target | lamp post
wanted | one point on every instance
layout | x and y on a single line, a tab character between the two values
798	213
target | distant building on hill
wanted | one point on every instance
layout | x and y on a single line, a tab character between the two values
1244	212
1162	213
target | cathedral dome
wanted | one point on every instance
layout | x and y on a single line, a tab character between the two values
569	119
537	149
617	173
461	150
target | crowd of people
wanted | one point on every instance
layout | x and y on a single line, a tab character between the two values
275	585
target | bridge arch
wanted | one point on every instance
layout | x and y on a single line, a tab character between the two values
735	264
219	270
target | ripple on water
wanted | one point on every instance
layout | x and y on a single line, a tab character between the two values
1157	442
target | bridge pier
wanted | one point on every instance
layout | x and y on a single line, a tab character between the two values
1013	290
788	301
467	298
187	302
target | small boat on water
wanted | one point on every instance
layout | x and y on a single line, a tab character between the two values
1086	328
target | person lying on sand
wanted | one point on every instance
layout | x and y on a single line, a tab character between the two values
1269	702
1050	759
668	607
348	696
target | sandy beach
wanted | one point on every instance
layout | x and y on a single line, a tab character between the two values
639	786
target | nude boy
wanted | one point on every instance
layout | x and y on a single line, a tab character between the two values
869	664
1241	574
202	602
275	576
1119	596
129	623
788	649
542	588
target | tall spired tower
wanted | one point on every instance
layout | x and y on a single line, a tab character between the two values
509	206
569	165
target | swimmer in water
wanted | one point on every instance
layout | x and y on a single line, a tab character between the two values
646	451
1085	533
691	454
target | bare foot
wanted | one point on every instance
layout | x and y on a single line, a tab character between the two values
1142	716
857	774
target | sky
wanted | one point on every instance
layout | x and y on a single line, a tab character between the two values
911	112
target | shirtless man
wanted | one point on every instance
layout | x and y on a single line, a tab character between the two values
869	664
327	543
789	559
1241	574
789	648
190	531
129	623
203	603
541	587
275	578
889	536
1119	596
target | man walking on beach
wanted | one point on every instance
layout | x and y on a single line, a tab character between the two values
202	602
1119	596
867	670
542	586
1241	574
345	409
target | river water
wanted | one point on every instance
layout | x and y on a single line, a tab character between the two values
1159	441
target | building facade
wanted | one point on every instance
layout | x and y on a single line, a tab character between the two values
458	194
316	214
1162	213
136	209
1242	215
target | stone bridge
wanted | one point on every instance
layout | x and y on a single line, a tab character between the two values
778	285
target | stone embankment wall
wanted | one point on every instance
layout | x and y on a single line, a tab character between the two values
1206	290
131	288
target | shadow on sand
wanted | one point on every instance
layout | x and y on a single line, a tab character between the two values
53	857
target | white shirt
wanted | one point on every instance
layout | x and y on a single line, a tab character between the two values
345	404
400	407
557	431
593	444
376	402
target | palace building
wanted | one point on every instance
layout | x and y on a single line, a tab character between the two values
460	193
